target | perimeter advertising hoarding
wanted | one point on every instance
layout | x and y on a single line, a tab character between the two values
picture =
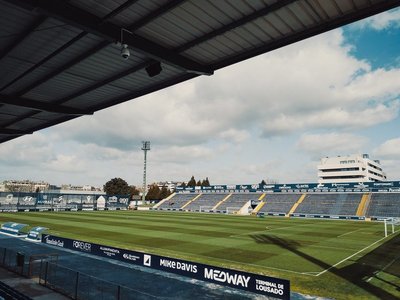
264	285
353	187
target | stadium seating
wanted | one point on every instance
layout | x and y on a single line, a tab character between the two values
337	204
279	203
205	201
237	201
177	201
384	205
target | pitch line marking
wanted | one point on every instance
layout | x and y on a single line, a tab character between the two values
347	258
349	232
383	269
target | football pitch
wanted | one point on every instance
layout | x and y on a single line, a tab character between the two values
330	258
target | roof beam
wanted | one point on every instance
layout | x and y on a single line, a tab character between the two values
115	12
9	131
112	33
47	58
156	13
62	68
225	28
106	81
42	106
23	35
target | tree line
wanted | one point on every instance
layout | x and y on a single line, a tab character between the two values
118	186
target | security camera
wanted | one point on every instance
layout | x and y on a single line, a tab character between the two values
125	51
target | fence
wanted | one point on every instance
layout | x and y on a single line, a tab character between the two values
71	283
77	285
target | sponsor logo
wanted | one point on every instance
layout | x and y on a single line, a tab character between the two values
284	187
109	251
112	199
302	186
130	257
225	276
82	246
269	287
177	265
383	183
53	242
147	260
271	186
123	200
27	199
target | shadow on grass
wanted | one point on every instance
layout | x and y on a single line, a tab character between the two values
360	271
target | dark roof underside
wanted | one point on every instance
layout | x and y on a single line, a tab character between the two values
61	59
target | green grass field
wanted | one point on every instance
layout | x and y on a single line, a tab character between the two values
335	259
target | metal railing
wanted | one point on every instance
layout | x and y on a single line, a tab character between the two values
76	285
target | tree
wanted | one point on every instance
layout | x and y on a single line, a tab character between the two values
263	182
117	186
192	182
153	193
165	192
133	191
205	182
183	185
198	183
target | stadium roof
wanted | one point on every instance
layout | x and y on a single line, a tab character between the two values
62	59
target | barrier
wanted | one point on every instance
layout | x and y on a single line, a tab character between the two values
264	285
19	201
14	229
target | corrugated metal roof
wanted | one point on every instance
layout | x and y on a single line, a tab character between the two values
61	60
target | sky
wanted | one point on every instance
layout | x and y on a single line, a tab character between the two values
271	117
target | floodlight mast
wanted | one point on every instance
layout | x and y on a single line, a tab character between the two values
145	148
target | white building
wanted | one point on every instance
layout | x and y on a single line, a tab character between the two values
350	168
25	185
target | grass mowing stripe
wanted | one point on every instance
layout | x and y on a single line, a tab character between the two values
296	249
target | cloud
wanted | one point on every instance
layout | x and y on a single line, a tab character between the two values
381	21
332	118
313	84
234	135
26	151
390	149
204	126
65	163
320	145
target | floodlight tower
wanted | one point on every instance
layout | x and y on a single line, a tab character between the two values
145	148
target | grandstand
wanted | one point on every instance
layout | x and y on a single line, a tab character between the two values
338	204
205	202
383	205
237	201
177	201
279	203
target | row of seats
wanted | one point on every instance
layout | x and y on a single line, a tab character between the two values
279	203
338	204
384	205
330	204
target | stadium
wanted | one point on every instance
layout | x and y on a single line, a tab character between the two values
342	236
69	59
